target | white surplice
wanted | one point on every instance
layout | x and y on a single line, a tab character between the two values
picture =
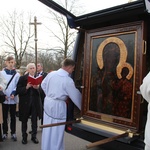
57	86
145	91
11	87
3	84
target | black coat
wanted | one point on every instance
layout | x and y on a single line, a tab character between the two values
25	98
44	74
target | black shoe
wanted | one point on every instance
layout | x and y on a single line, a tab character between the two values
17	113
35	140
4	137
24	141
30	132
14	137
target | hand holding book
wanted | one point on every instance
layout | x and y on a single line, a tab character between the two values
35	81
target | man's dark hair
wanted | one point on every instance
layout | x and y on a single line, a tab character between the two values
68	62
40	64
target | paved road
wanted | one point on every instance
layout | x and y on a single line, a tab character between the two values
71	142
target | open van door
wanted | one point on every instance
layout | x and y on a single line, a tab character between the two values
112	59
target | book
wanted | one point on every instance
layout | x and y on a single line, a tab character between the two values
35	81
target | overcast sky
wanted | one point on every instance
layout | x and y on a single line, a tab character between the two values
35	5
41	10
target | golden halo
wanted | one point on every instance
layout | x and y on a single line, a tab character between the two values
122	47
121	66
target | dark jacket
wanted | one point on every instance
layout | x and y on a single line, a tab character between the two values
44	74
27	97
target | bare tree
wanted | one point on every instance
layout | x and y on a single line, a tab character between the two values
2	60
16	34
64	36
50	61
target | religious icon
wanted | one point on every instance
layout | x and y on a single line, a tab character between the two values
114	88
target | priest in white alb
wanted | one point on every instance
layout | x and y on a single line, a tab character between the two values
145	91
58	86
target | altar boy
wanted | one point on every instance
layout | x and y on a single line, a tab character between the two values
12	77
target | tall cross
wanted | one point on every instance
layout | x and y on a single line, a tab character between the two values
35	23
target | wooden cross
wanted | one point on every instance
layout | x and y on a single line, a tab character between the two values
35	23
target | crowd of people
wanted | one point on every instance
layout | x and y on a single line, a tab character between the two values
45	100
